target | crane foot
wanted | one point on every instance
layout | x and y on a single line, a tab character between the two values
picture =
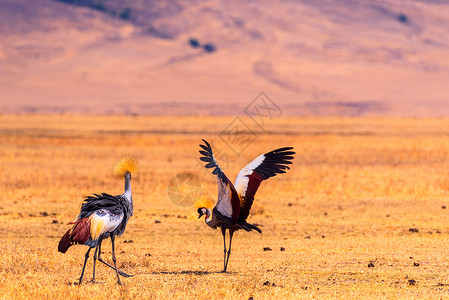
124	274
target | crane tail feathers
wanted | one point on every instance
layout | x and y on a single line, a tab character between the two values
249	227
65	242
79	233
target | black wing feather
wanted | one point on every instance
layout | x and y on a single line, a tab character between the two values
209	165
208	157
101	201
275	162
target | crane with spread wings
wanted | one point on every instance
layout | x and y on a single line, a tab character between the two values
235	200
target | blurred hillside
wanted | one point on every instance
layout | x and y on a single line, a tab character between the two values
326	57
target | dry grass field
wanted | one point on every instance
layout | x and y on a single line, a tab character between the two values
361	192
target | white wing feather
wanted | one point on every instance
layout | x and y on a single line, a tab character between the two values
110	221
241	182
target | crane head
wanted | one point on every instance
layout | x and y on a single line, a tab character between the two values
202	211
203	204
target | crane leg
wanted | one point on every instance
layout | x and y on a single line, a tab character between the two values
114	259
231	233
86	256
223	231
101	260
95	261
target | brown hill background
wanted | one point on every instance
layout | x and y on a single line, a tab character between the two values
328	57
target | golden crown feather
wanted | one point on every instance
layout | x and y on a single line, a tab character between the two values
124	165
204	201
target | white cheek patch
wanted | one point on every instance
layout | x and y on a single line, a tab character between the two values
208	215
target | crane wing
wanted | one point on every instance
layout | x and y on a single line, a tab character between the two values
228	203
103	221
101	201
263	167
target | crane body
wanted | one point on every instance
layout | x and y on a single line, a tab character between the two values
102	216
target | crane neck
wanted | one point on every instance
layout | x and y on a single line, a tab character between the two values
128	194
210	221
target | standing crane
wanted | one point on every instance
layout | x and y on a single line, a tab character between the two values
102	216
235	200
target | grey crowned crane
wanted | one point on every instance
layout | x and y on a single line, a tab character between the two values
235	200
102	216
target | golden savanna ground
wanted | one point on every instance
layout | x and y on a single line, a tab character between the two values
356	188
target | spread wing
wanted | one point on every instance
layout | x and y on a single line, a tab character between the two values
263	167
228	203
